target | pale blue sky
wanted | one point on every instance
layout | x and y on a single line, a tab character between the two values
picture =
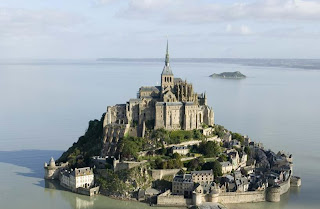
138	28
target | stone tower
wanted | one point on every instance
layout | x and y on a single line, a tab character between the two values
50	170
167	79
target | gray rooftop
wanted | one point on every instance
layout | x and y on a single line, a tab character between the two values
173	103
183	178
206	172
189	103
167	70
134	100
82	171
179	147
177	80
150	88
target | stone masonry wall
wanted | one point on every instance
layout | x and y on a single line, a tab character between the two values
242	197
160	173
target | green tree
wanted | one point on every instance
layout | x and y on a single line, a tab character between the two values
238	137
130	149
219	131
209	149
176	156
215	166
197	134
158	162
222	158
195	164
247	150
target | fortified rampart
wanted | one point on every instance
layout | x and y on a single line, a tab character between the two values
167	199
241	197
126	165
271	194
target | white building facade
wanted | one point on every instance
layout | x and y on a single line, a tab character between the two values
77	178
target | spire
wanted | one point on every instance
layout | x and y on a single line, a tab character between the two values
167	54
166	69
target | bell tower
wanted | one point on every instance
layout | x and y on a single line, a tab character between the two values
167	75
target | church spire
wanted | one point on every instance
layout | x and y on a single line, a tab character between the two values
167	54
167	69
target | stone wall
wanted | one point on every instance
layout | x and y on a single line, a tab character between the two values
160	173
295	181
167	199
112	133
284	187
242	197
126	165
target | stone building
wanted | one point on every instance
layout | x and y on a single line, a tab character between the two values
226	167
204	176
182	185
182	150
79	177
173	106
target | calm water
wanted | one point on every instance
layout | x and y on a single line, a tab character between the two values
46	105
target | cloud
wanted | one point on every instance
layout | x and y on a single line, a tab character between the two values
197	11
25	22
238	30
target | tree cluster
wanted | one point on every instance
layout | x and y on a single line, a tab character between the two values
88	145
209	149
198	164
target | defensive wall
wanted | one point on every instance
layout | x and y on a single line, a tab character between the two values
167	199
242	197
126	165
271	194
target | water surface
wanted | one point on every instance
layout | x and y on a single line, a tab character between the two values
46	105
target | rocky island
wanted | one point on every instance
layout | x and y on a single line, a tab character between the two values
228	75
164	148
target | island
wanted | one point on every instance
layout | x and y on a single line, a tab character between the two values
163	148
228	75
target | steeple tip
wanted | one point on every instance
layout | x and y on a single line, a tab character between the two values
167	54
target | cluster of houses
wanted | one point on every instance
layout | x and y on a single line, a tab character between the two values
239	173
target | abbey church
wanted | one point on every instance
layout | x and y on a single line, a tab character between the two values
172	106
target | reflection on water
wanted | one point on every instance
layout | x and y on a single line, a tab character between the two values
76	201
37	193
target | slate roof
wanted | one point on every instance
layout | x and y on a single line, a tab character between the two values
207	172
179	147
177	80
82	171
183	178
150	88
167	70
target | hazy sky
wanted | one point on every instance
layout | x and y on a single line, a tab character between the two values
138	28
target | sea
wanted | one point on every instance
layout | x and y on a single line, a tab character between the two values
45	106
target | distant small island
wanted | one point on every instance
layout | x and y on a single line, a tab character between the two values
228	75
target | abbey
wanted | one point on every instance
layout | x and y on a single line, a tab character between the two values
172	106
